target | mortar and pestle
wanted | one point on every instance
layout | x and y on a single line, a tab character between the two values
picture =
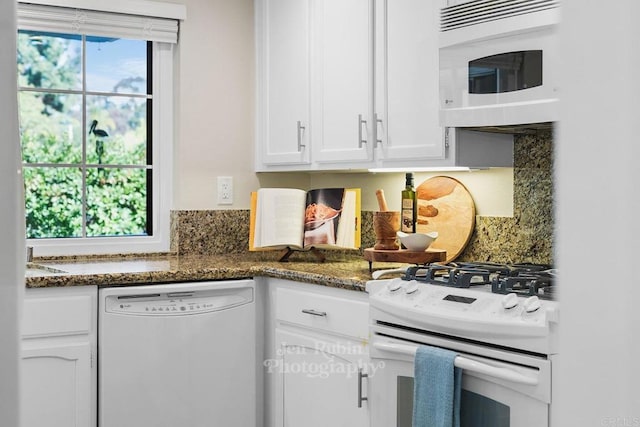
385	225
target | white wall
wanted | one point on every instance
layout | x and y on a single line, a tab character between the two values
216	115
215	101
598	207
12	220
215	105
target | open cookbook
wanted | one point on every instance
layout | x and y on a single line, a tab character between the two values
325	218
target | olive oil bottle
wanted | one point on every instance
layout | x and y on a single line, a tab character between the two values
409	206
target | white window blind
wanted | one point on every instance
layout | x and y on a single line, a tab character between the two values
96	23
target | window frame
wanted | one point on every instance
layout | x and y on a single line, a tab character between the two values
162	153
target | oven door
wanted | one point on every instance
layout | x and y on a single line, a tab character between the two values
498	391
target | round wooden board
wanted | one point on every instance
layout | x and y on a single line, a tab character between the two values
445	206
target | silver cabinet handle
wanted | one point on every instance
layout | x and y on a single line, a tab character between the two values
361	375
360	123
314	312
300	131
377	121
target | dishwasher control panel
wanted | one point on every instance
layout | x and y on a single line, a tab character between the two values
178	303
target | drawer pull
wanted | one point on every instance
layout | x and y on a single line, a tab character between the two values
315	312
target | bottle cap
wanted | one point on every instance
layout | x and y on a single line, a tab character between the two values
409	178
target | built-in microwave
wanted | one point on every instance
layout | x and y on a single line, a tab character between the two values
498	62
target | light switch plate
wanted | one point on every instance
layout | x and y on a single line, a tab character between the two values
225	190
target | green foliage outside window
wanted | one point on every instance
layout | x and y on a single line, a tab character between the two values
106	194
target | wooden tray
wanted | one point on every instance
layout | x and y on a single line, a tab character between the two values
405	256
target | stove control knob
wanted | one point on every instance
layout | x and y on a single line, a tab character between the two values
509	301
394	286
412	288
531	304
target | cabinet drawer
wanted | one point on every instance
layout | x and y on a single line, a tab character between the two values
324	312
54	315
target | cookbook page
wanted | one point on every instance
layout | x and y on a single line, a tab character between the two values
278	218
349	232
331	219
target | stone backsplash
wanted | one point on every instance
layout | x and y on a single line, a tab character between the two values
525	237
529	235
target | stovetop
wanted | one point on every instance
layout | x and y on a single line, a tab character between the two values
506	305
522	279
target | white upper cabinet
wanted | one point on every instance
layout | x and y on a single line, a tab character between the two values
342	88
360	76
283	31
406	101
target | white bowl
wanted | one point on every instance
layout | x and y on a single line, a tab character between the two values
417	241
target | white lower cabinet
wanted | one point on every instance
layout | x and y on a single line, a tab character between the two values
319	356
320	380
315	368
58	369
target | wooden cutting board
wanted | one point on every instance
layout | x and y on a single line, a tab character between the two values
445	206
405	256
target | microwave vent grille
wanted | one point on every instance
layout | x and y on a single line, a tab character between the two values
481	11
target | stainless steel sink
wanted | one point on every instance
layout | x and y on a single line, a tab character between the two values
33	269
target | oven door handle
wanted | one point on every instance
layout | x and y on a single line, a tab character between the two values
464	363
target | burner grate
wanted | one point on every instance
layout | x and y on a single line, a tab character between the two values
523	278
540	285
449	275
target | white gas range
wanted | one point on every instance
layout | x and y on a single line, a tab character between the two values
500	319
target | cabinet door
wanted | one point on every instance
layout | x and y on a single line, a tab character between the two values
56	385
283	61
407	80
58	378
319	381
342	75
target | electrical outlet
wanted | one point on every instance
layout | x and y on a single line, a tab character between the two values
225	190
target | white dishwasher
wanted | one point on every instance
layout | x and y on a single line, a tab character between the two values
177	355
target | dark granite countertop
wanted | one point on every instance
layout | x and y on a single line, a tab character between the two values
342	271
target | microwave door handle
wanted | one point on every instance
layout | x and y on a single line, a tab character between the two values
464	364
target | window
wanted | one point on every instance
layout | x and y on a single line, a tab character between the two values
95	105
85	133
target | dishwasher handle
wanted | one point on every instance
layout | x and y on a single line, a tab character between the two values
464	363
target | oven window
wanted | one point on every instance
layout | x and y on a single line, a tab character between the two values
475	410
506	72
480	411
404	417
